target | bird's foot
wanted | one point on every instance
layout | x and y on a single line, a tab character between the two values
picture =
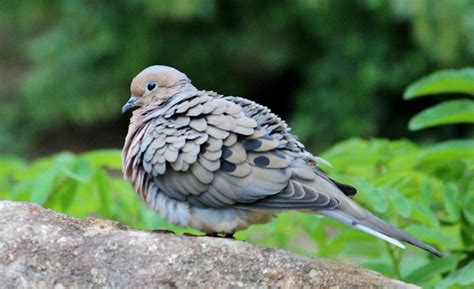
221	235
163	231
191	235
228	235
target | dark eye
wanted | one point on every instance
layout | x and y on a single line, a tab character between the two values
150	86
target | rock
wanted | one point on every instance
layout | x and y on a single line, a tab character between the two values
43	249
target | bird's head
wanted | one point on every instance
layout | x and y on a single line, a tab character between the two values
156	84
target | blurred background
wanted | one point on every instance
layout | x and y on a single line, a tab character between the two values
333	69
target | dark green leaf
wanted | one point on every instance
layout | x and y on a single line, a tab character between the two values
430	270
463	276
449	112
466	276
468	210
448	81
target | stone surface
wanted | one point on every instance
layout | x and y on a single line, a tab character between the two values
43	249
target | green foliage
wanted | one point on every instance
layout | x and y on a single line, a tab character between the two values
449	112
447	81
427	191
463	278
89	184
80	185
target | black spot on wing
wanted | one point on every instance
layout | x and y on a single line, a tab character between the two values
252	144
261	161
226	153
227	166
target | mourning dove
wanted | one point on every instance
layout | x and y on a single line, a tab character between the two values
222	163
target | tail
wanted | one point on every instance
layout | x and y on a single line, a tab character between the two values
365	221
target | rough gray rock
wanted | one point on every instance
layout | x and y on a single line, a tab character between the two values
43	249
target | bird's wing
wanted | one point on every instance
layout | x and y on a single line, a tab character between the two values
221	152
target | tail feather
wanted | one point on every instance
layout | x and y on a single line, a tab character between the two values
377	227
380	235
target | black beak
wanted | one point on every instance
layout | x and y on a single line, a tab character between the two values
130	104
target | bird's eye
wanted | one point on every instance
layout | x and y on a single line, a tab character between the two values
150	86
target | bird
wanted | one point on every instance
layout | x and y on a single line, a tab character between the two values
221	163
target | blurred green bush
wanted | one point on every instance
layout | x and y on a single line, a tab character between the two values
426	190
69	63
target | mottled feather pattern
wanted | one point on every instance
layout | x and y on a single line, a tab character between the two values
214	151
222	163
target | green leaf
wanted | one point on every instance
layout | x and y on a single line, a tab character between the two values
463	276
425	216
19	191
377	199
435	236
43	187
9	164
103	185
68	194
355	242
468	210
466	276
447	81
449	112
81	170
449	150
402	204
381	267
450	196
430	270
110	158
